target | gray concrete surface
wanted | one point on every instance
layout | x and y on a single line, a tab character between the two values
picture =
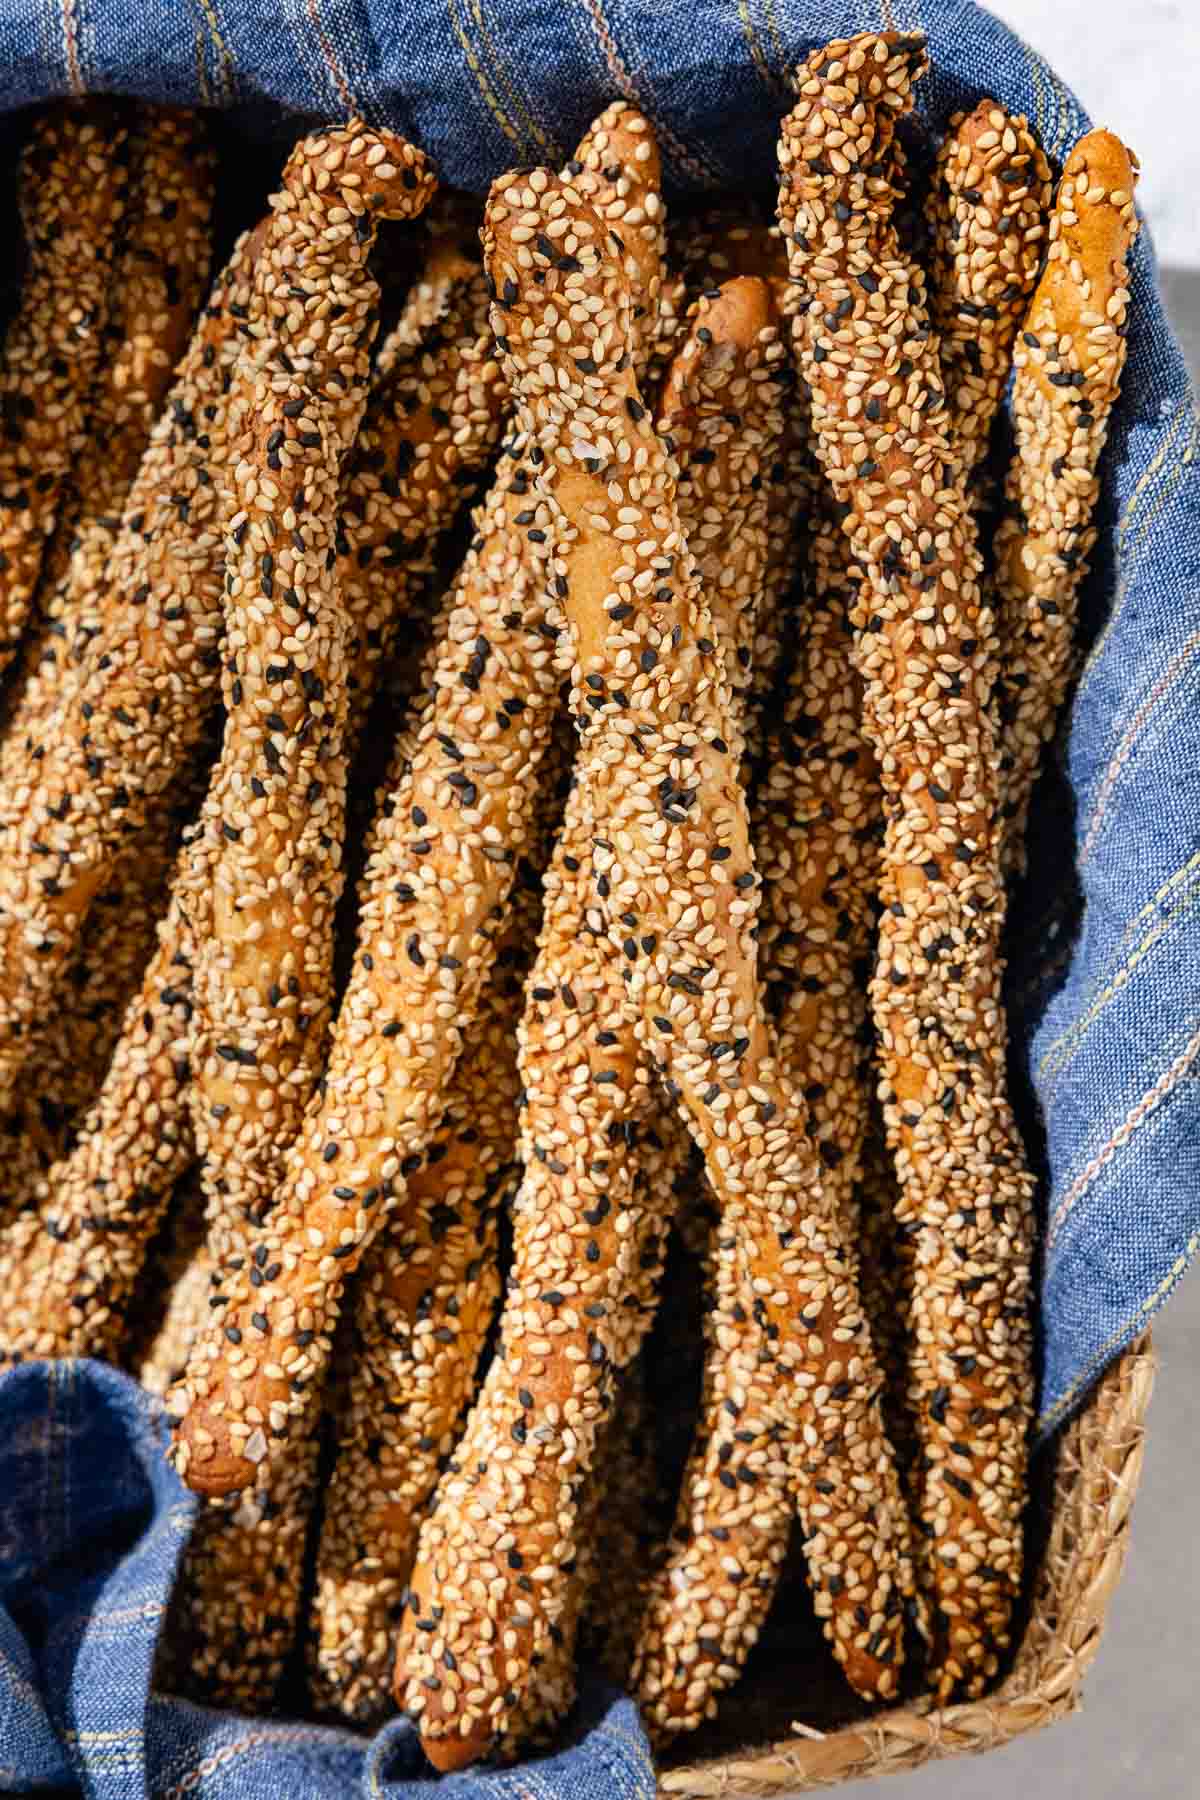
1138	1737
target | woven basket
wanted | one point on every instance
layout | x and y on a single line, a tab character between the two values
1086	1482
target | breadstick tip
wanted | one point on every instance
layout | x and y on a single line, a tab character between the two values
1105	162
363	170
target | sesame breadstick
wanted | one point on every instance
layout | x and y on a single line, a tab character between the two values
922	646
986	213
678	873
140	701
231	1623
583	1222
817	822
68	1265
73	189
481	652
76	1042
434	893
264	871
433	420
159	278
423	1304
693	965
1068	375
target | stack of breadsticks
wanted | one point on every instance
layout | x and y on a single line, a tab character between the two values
354	1086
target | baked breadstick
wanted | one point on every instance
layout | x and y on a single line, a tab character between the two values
922	644
264	872
653	702
817	821
987	227
432	423
231	1623
478	708
76	1042
423	1305
433	896
73	189
67	1266
1069	362
159	281
139	704
583	1222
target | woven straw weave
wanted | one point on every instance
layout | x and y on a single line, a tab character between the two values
1089	1483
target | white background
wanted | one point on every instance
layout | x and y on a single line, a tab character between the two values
1135	64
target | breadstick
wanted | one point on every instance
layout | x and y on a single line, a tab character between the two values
67	1266
1068	375
423	1304
922	643
434	893
581	1222
73	185
231	1624
76	1042
662	731
264	871
987	226
491	699
159	279
136	710
817	822
432	422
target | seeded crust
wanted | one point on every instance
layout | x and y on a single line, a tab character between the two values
589	1234
74	180
265	869
434	895
507	726
144	690
432	423
986	213
571	985
817	821
159	279
684	875
77	1040
1068	375
922	646
68	1266
232	1619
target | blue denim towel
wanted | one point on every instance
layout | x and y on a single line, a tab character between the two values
1105	935
92	1523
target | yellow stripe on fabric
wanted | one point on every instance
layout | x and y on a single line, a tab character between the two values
224	61
1122	1334
481	81
757	54
500	77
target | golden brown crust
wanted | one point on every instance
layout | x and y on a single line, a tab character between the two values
434	893
987	222
74	797
265	867
73	190
1069	362
423	1304
923	652
672	838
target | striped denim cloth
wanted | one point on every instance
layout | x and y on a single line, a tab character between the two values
1104	964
